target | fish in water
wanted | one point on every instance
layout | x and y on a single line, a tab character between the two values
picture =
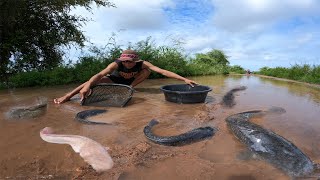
31	111
91	151
194	135
83	115
268	145
228	98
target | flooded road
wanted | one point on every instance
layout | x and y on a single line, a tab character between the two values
25	155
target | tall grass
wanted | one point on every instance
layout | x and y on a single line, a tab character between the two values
304	73
172	58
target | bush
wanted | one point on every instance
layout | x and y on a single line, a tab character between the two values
236	69
166	57
304	73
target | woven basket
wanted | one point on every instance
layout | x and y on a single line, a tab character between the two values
105	94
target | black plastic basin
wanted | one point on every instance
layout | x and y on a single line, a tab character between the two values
185	94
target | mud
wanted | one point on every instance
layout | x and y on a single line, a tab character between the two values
26	156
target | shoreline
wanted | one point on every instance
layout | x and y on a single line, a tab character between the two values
283	79
289	80
258	75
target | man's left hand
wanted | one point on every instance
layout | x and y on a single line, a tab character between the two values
190	82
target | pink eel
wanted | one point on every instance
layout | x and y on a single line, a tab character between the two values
91	151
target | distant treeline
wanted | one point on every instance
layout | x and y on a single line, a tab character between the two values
31	54
303	73
170	58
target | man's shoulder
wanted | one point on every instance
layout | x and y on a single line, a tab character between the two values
145	63
113	65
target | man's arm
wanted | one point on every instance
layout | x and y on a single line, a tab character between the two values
88	84
96	78
168	73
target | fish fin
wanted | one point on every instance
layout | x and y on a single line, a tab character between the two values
153	122
316	166
276	110
312	176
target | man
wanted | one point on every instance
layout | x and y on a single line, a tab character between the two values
128	69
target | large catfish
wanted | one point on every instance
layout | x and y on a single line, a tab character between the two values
270	146
91	151
31	111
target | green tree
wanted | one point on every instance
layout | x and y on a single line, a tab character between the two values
236	69
214	57
32	32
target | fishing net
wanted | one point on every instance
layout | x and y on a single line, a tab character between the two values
116	95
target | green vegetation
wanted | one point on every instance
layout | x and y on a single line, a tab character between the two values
33	33
236	69
304	73
211	63
170	58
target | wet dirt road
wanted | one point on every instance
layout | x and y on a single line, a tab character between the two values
26	156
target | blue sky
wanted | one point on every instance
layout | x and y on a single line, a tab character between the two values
253	33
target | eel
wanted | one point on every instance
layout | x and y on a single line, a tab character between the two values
83	116
194	135
228	98
91	151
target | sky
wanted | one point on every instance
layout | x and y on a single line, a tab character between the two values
252	33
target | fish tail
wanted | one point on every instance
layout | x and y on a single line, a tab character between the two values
153	122
276	110
316	166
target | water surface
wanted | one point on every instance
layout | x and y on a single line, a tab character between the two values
25	155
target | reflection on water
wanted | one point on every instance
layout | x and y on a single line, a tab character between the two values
298	89
149	90
137	158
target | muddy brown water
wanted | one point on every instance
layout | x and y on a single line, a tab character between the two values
24	155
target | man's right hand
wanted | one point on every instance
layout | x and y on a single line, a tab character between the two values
84	92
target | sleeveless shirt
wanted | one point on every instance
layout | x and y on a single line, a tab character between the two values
126	73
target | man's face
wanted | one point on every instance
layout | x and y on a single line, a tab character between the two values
129	64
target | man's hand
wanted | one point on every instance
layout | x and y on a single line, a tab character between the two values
190	82
84	92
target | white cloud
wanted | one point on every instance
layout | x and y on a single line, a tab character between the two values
253	33
200	42
253	15
304	38
138	14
